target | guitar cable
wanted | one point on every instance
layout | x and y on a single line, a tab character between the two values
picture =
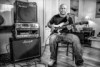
45	45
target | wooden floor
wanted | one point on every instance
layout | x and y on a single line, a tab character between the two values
91	59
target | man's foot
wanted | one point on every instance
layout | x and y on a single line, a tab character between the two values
51	62
79	62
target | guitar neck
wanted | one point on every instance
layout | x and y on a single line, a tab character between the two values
66	25
78	23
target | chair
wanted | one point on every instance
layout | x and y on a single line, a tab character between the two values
69	44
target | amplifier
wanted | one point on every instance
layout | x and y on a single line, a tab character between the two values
26	25
24	49
22	33
25	12
26	30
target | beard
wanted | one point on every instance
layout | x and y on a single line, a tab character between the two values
63	13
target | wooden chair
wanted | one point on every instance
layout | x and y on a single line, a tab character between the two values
67	45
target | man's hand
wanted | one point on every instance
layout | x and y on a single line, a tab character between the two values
59	25
56	27
69	27
52	28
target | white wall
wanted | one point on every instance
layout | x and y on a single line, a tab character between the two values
51	8
88	8
7	12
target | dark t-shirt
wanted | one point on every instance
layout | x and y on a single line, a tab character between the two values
57	19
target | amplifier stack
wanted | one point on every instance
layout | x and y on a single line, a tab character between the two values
26	41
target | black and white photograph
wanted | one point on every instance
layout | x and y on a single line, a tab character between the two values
49	33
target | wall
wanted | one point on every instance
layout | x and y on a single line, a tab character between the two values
6	10
88	8
51	8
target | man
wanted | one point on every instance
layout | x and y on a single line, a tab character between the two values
62	19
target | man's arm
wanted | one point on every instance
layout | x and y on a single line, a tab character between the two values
71	22
49	25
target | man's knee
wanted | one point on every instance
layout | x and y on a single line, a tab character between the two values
53	37
73	38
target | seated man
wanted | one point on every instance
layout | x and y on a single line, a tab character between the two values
62	19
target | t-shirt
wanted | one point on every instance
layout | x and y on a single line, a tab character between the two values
57	19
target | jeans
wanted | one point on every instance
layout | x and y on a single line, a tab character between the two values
55	38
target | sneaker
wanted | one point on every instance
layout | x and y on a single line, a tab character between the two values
79	62
51	62
82	65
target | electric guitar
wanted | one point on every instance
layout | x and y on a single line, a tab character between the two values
60	26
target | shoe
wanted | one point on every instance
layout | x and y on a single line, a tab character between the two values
79	62
51	62
82	65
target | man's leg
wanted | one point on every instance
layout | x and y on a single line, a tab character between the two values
77	48
53	42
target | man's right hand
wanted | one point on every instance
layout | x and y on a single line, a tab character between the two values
52	28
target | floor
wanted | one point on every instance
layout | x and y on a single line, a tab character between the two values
91	57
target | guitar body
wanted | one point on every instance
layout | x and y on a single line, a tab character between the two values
58	30
55	30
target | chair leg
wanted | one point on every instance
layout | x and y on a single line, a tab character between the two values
73	52
67	49
56	54
73	57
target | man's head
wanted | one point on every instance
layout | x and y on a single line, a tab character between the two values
63	9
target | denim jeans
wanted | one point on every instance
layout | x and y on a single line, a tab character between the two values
55	38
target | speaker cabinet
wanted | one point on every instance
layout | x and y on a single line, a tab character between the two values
25	12
24	49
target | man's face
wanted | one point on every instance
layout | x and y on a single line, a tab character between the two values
63	9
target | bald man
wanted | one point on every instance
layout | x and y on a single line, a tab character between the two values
63	35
